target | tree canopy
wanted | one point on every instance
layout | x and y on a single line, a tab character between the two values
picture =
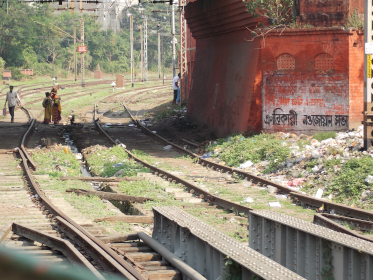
30	38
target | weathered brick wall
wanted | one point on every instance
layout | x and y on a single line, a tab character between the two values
305	99
328	13
226	80
356	79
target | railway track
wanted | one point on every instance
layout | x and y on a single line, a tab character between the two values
298	197
127	256
42	239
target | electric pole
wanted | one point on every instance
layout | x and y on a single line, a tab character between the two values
173	41
146	49
162	62
53	56
159	55
74	51
368	81
142	55
131	37
82	54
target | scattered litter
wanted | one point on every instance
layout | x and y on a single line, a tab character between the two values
122	145
246	164
104	201
131	124
369	179
272	189
232	220
281	196
118	164
248	200
154	132
332	212
18	167
168	147
296	182
79	156
319	193
274	204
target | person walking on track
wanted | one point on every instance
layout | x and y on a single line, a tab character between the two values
175	87
12	98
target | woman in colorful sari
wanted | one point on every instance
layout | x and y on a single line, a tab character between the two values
56	110
47	104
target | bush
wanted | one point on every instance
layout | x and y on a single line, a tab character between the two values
349	183
16	73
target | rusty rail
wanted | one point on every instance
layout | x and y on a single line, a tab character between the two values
52	211
338	208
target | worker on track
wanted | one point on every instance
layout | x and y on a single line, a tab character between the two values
12	98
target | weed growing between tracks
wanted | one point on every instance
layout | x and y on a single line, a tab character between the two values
92	207
105	162
56	163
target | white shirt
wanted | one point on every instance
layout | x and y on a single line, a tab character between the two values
174	81
11	97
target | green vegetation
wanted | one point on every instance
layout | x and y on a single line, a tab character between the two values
106	162
355	20
324	135
349	183
257	148
277	11
30	38
57	163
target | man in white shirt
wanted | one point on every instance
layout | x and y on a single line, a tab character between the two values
175	87
11	98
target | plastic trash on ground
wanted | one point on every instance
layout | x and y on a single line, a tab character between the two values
369	179
248	200
319	193
246	164
274	204
168	147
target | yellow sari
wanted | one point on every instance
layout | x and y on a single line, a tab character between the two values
47	110
56	111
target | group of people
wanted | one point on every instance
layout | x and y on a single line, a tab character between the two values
51	104
52	107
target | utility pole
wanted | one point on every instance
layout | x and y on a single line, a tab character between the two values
72	8
368	81
146	48
183	52
163	61
173	41
82	41
159	55
131	37
53	56
142	55
75	70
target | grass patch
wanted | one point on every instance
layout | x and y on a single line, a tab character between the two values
57	163
324	135
349	183
106	162
237	149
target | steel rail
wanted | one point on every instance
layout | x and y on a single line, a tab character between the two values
51	210
192	188
339	208
66	248
321	220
